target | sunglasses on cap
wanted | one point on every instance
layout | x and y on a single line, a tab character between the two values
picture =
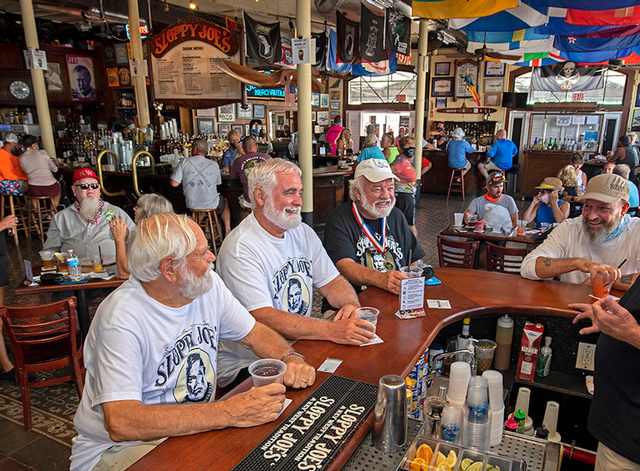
86	186
497	178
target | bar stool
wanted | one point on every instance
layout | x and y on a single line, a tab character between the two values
209	223
456	185
38	208
16	207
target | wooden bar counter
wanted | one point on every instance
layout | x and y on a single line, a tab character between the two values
539	164
471	293
437	179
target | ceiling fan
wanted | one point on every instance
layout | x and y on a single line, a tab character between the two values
484	53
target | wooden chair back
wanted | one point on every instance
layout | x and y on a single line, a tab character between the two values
459	254
44	338
505	259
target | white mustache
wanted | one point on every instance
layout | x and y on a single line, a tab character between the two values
293	209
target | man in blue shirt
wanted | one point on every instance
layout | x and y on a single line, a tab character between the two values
500	155
634	198
456	150
235	149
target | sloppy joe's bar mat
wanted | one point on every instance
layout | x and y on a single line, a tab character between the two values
313	435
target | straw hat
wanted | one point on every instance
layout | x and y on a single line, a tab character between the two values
550	183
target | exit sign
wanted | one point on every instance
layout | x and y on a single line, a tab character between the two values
578	96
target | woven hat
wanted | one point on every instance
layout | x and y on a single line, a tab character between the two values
374	170
84	173
550	183
607	188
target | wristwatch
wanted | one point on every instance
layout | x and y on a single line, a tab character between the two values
292	352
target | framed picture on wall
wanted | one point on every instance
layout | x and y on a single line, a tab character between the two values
635	124
205	125
314	116
244	114
324	100
638	96
443	68
493	69
335	105
493	85
323	118
223	129
53	78
441	103
335	96
226	113
121	53
492	99
239	128
259	111
442	87
465	68
82	78
315	99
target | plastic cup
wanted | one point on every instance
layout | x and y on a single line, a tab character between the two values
459	377
48	259
457	219
62	263
267	371
369	314
97	263
480	226
411	272
600	290
484	350
522	227
544	226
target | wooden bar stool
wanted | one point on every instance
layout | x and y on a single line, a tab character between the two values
16	207
40	210
207	219
456	185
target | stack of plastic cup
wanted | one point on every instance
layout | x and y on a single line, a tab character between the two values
458	382
475	427
496	406
551	421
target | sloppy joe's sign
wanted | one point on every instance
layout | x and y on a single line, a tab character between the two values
205	31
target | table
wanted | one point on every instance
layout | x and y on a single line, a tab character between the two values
452	231
79	290
404	342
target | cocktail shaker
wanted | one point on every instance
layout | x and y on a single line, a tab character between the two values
390	414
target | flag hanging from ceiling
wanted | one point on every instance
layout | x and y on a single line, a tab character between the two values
617	17
321	50
446	9
263	40
566	77
287	51
348	45
397	32
371	36
386	67
591	57
611	39
509	40
513	19
586	4
556	24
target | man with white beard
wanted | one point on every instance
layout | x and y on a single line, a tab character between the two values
603	238
84	226
267	250
151	352
367	238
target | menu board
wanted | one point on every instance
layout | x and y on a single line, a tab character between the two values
312	436
190	71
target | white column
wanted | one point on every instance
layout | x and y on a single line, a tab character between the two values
305	132
37	79
139	82
420	92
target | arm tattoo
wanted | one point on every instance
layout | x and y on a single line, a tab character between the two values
626	279
546	261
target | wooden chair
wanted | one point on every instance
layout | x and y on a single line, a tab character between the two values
208	220
505	259
40	210
44	338
454	184
459	254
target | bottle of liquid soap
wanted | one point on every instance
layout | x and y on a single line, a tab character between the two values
544	360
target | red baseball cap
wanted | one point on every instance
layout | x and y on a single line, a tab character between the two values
84	173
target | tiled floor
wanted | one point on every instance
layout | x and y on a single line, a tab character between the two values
21	450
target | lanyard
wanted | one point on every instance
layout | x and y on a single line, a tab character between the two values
378	244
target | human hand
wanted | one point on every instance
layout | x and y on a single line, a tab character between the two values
346	312
609	274
7	222
536	199
586	312
553	198
299	374
256	406
392	281
118	228
351	331
608	317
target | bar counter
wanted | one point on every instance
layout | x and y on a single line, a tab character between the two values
471	293
437	179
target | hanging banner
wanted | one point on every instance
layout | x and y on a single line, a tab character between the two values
200	30
398	32
263	40
348	40
322	46
371	36
566	76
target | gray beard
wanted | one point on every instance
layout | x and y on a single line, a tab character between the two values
599	237
192	287
89	208
378	213
281	218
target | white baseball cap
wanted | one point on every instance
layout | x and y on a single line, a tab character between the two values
374	170
10	137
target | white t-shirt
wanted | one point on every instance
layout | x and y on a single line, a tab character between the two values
569	240
266	271
139	349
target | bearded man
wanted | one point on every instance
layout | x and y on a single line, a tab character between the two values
367	238
593	244
144	383
84	226
10	163
264	252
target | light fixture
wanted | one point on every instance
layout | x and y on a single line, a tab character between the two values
193	5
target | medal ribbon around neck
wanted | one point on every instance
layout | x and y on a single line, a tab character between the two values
378	244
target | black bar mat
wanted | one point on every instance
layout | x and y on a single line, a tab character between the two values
313	435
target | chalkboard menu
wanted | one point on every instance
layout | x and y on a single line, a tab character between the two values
313	435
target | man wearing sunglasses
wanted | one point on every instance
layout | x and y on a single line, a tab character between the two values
84	226
495	195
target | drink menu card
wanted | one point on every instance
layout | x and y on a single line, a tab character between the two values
411	298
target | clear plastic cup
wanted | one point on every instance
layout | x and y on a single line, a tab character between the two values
369	314
267	371
459	376
457	219
411	272
600	290
484	350
522	227
48	259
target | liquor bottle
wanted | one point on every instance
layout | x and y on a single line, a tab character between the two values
535	143
464	339
540	144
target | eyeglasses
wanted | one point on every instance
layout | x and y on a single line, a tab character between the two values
86	186
498	177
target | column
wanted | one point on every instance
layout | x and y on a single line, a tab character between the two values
420	92
139	82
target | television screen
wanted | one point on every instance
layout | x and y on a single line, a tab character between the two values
514	100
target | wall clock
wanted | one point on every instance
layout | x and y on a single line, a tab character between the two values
19	89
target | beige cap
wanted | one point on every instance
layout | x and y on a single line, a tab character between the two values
550	183
374	170
607	188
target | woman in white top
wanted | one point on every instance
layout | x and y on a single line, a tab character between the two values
577	161
39	167
344	143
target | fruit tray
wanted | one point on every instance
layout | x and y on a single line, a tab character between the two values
429	454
